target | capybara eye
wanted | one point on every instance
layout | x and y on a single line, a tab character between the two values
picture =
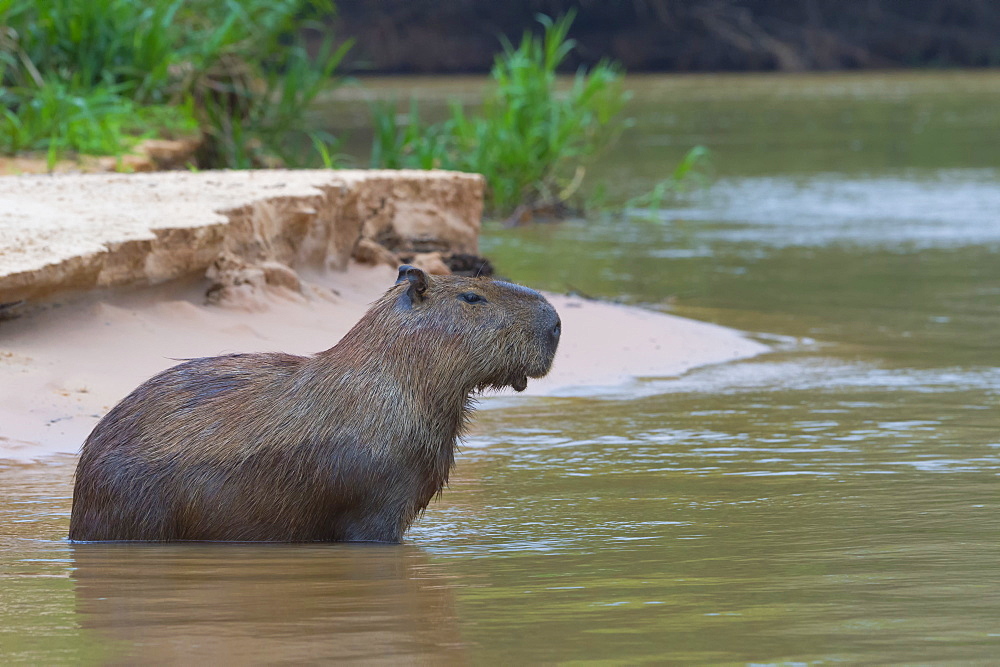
472	297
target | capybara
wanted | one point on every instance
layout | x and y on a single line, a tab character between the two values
347	445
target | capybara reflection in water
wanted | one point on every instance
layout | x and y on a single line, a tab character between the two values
347	445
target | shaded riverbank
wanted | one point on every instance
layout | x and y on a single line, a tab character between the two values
698	35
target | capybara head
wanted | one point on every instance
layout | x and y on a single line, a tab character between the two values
490	333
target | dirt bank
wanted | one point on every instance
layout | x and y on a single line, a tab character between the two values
69	232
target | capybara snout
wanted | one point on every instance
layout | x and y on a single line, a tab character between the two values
549	329
552	329
349	444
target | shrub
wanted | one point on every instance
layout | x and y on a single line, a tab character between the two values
531	140
54	119
74	72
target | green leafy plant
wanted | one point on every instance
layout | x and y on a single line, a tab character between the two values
693	171
532	139
54	119
256	94
72	72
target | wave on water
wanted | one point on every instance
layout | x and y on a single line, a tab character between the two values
947	208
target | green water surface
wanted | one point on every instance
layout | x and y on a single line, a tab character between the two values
836	500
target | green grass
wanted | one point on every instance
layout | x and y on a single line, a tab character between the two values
54	120
85	44
533	138
259	120
535	135
93	76
693	171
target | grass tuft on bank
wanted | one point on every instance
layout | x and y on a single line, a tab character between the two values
95	77
534	137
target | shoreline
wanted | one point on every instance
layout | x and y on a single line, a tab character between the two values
67	365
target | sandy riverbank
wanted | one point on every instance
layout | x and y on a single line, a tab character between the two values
62	369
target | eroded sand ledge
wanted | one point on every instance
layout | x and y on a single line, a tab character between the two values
80	231
151	236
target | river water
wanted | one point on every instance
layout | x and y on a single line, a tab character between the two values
837	500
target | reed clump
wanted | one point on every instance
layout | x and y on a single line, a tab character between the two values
534	136
532	139
97	76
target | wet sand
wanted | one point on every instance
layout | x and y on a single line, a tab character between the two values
63	368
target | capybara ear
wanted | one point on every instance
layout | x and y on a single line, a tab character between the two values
417	280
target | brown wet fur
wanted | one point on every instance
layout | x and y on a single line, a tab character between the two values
350	444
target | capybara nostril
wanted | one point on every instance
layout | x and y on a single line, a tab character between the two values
557	331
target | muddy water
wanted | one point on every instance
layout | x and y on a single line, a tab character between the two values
836	500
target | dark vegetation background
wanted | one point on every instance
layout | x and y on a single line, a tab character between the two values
431	36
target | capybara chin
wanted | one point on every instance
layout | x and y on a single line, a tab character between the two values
347	445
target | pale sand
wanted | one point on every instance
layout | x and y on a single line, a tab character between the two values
62	369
